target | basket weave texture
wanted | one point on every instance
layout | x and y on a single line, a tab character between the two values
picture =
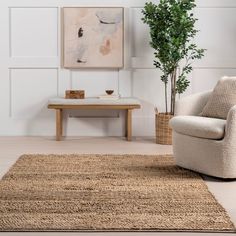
163	130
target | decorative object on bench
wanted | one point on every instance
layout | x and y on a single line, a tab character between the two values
60	104
109	92
75	94
172	29
93	37
206	144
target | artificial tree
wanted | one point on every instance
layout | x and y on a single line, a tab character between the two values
172	30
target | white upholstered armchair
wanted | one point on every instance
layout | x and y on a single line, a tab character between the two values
206	145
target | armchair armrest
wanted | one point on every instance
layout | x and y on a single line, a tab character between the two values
192	105
230	130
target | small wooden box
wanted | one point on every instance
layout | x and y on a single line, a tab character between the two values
74	94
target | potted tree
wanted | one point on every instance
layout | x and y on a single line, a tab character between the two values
172	30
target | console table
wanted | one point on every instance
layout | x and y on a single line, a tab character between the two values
60	104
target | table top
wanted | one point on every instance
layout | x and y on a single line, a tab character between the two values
94	101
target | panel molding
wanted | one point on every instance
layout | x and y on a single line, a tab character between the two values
10	81
10	92
33	62
16	58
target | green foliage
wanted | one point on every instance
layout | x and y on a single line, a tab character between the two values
172	29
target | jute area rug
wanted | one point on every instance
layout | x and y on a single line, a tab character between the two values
106	192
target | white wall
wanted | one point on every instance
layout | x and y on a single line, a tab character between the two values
30	69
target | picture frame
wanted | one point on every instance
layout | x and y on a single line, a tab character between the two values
92	37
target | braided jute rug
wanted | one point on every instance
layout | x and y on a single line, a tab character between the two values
106	192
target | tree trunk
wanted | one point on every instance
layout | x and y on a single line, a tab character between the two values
174	95
166	101
173	91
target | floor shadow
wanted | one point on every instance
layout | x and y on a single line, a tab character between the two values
217	179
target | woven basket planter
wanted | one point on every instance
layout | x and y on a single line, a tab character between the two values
163	130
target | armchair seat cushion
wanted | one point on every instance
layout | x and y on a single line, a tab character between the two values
197	126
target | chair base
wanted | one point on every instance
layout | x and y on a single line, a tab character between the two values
203	155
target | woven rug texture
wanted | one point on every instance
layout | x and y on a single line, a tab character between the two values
106	192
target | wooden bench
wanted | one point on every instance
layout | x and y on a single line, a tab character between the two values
60	104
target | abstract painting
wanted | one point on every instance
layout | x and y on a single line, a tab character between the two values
93	37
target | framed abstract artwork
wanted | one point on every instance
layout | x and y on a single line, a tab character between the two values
93	37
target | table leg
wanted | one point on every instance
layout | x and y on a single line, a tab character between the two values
58	124
129	124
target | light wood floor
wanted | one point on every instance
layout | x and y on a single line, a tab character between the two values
12	147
